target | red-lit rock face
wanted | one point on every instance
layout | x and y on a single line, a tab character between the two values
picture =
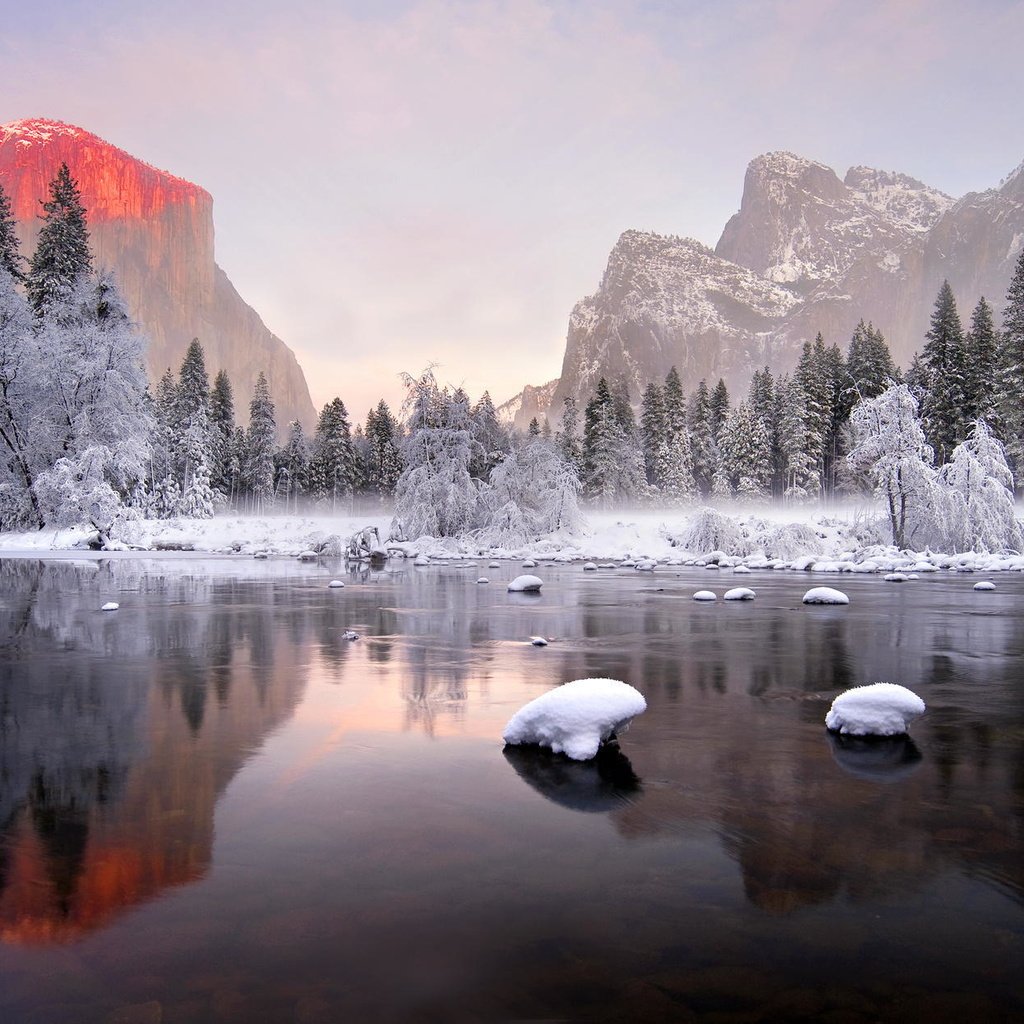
156	232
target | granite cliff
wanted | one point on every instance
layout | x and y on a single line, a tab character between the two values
155	231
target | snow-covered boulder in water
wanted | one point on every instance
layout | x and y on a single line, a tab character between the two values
705	595
985	585
825	595
335	584
739	594
879	709
110	606
895	577
527	583
590	567
576	718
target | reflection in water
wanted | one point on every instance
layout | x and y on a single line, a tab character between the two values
604	783
876	758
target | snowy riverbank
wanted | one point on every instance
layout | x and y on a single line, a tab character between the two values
851	541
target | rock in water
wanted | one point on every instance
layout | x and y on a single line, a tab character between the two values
576	718
739	594
825	595
705	595
527	583
985	585
110	606
879	709
335	584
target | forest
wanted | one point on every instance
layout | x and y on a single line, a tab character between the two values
87	439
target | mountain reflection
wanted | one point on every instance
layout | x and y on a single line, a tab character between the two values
119	734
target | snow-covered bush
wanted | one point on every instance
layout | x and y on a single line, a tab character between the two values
710	530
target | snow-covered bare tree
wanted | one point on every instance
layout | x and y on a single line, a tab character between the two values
890	450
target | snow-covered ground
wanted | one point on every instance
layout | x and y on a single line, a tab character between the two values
851	540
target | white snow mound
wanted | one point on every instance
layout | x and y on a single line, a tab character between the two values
576	718
825	595
590	567
705	595
739	594
110	606
895	577
335	584
527	582
879	709
985	585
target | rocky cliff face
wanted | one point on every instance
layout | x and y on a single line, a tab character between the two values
156	232
806	252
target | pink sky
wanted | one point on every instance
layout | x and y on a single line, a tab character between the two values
438	181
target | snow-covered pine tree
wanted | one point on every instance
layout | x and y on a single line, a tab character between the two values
869	364
259	443
654	433
490	436
613	464
766	408
817	411
745	454
534	428
1010	376
222	429
718	409
11	259
384	460
62	257
568	438
982	351
436	495
332	463
293	467
197	496
945	361
891	451
702	443
800	471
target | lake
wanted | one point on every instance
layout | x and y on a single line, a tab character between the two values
213	807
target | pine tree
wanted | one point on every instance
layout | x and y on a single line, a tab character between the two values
719	409
384	462
259	442
766	409
612	462
534	429
945	361
332	465
745	454
11	259
676	470
62	257
869	364
193	383
654	433
701	440
800	470
982	352
817	414
1010	378
490	436
222	430
293	467
568	439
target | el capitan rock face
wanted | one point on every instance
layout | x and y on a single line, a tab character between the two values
156	232
807	252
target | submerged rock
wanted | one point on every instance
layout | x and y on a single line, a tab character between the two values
878	709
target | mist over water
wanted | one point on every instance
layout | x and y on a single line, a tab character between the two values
214	807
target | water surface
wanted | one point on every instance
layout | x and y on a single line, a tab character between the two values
215	808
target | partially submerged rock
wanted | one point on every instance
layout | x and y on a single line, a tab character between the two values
878	709
825	595
739	594
705	595
576	718
526	584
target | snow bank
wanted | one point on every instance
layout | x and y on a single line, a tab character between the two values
576	718
825	595
527	583
879	709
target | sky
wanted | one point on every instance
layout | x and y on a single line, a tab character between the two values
398	184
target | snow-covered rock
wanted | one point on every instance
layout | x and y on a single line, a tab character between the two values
576	718
705	595
110	606
895	577
526	583
421	560
350	634
825	595
590	567
483	579
878	709
538	641
335	585
741	570
529	563
985	585
739	594
494	565
308	556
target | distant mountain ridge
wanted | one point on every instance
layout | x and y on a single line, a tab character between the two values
806	252
155	231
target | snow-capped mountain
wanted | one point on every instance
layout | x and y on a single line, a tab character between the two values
807	252
155	231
